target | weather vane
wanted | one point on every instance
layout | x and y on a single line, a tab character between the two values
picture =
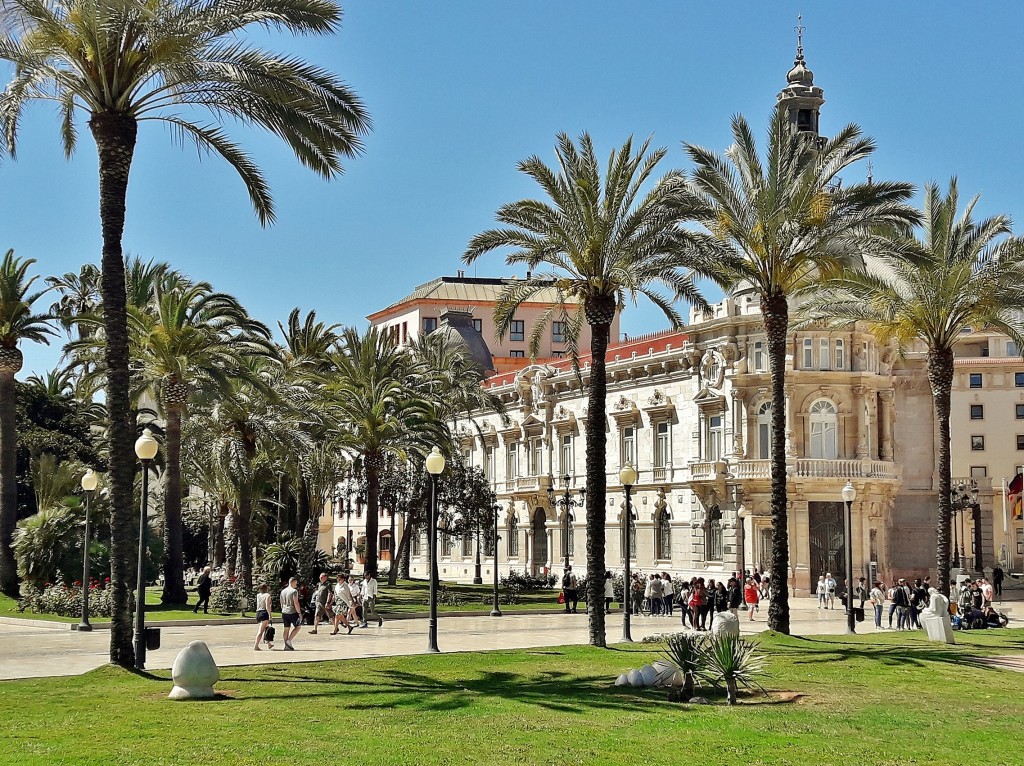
799	29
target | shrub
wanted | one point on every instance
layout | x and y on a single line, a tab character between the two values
64	600
525	581
448	597
734	661
47	542
227	597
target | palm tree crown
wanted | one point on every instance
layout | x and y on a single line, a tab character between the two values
17	321
780	226
956	273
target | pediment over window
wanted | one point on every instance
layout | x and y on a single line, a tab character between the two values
563	421
625	412
533	425
709	400
466	437
659	406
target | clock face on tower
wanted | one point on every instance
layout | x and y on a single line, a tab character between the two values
712	369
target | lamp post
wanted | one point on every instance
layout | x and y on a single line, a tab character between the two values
566	503
741	517
145	449
628	478
435	467
89	482
477	578
496	609
849	495
962	497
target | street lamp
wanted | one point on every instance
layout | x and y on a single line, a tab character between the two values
477	577
566	503
628	478
435	467
496	609
962	497
849	495
145	449
89	482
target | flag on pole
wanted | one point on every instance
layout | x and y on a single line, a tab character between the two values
1015	494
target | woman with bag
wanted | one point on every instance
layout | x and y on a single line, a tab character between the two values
263	608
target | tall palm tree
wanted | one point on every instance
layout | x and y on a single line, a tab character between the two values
17	323
127	62
79	294
188	338
604	240
957	273
379	412
780	226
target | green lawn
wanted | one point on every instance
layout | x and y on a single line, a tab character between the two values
890	699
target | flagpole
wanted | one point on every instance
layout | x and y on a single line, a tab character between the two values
1006	522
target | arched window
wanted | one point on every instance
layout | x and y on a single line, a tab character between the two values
513	538
764	431
447	543
663	535
632	534
384	545
824	430
713	535
467	545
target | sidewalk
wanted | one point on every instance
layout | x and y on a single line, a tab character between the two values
28	651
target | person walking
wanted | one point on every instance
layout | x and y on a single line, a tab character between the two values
342	606
291	613
203	588
997	581
322	598
263	609
822	591
370	600
637	593
609	592
668	594
571	589
877	596
830	591
750	596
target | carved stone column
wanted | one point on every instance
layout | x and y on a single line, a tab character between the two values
886	398
790	428
860	413
737	423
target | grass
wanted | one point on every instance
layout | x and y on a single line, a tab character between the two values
888	699
407	597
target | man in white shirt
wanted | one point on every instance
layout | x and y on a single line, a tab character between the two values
370	600
291	613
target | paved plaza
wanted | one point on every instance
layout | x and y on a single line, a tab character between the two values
32	649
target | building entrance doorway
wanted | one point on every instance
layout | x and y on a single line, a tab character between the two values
827	540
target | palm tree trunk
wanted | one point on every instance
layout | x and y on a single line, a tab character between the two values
302	507
219	554
115	136
242	532
8	484
174	574
599	312
775	311
372	465
231	544
400	566
940	376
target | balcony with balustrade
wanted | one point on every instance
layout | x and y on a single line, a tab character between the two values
800	468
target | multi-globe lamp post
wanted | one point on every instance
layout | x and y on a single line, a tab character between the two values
962	498
628	477
89	483
435	467
146	448
566	503
849	495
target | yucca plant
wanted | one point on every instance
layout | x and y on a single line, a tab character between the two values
733	661
685	652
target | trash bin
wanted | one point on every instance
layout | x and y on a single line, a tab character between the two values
152	639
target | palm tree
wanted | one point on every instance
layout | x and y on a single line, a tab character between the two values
188	338
379	412
781	226
79	294
604	242
956	274
128	62
17	323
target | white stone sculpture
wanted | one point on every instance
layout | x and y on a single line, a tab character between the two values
649	675
622	680
935	618
725	624
635	678
194	673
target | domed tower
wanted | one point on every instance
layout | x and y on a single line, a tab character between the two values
801	98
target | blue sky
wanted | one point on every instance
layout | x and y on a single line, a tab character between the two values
459	91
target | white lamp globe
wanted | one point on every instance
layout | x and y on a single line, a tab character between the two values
849	493
627	475
90	480
435	462
146	446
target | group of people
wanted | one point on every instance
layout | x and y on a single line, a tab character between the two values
349	604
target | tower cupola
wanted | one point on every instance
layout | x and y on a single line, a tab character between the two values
801	98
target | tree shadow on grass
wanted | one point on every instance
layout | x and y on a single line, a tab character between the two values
895	656
556	691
